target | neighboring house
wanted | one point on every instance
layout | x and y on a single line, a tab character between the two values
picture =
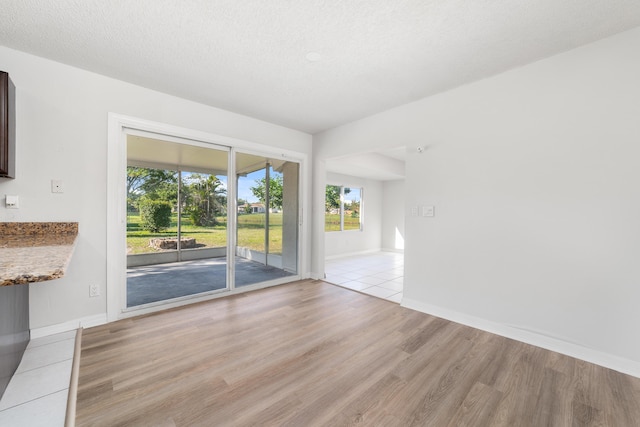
257	208
254	208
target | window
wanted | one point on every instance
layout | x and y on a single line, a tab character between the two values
343	208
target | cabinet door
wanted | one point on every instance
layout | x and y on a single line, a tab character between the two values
7	126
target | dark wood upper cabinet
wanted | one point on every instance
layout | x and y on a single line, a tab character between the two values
7	126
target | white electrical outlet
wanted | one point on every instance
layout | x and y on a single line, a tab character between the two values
94	290
11	202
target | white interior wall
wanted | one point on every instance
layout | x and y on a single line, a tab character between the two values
62	134
393	201
354	241
534	177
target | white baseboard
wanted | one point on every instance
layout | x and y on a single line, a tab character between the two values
368	251
314	276
597	357
71	325
398	251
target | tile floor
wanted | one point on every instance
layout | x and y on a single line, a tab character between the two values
380	274
37	393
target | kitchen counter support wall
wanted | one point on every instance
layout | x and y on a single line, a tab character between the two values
14	330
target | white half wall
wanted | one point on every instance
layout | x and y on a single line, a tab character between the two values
62	115
393	201
534	177
354	241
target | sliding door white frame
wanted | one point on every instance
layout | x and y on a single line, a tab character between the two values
119	126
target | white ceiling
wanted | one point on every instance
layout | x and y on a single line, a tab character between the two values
379	165
249	56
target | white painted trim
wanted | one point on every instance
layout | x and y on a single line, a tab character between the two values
304	216
71	325
232	220
398	251
116	220
597	357
367	252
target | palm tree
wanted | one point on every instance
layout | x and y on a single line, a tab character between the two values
206	199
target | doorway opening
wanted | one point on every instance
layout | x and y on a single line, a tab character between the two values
364	222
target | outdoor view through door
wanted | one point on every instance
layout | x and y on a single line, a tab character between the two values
178	228
267	234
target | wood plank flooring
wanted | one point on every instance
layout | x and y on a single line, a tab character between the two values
314	354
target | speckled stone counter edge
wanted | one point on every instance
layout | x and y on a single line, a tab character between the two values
36	228
35	251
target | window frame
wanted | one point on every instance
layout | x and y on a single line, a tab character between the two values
341	208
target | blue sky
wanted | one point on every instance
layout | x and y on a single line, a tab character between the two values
244	185
354	194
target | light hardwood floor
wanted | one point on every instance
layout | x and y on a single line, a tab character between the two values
314	354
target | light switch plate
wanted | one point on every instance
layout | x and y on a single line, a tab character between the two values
94	290
429	211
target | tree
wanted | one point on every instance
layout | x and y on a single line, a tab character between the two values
275	191
205	198
155	184
332	197
354	207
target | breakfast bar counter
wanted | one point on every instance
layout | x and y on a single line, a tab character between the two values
35	251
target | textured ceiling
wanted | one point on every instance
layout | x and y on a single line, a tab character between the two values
249	56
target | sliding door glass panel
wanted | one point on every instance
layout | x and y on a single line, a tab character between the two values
187	254
266	190
289	219
251	219
275	212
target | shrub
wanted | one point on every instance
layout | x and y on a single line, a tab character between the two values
201	217
155	215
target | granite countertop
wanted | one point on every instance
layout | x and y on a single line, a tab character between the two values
35	251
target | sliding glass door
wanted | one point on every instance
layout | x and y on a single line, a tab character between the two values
176	220
179	237
267	219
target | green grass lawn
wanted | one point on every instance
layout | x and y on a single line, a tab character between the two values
250	233
332	222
